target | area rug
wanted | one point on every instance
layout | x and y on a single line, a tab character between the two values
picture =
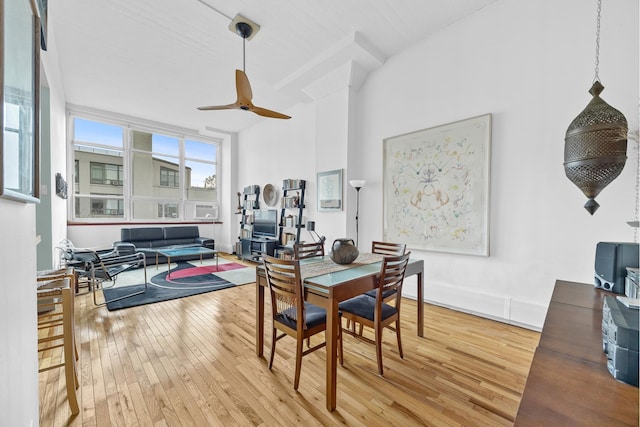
185	280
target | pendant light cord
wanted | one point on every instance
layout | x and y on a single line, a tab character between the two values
597	77
243	55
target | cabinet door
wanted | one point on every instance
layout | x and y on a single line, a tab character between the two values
246	248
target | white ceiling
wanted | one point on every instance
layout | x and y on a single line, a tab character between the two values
160	59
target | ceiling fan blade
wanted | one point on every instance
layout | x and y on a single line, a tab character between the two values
219	107
243	88
268	113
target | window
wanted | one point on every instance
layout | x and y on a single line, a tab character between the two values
98	150
106	174
167	210
19	92
131	172
168	177
107	207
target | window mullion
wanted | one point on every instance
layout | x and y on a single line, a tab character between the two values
182	180
126	165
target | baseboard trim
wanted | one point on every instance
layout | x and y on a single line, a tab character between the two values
501	308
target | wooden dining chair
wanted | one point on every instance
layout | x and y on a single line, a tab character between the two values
386	249
374	312
55	300
291	314
44	276
308	250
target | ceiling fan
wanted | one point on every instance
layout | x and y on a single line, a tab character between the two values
243	88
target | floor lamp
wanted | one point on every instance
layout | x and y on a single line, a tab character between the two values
357	184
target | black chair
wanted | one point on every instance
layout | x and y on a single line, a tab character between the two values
100	266
374	312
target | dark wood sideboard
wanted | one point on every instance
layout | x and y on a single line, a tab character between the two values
569	384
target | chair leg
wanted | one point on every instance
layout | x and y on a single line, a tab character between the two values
398	337
73	332
296	381
378	332
340	349
69	351
273	347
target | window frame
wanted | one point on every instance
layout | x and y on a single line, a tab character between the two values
170	172
129	125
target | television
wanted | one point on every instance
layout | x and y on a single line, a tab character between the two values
265	223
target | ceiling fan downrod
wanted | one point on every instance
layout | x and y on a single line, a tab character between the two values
243	87
244	30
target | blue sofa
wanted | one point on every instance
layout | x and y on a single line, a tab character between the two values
149	240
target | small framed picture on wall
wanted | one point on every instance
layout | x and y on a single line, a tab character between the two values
330	190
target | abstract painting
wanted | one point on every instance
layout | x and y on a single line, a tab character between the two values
436	187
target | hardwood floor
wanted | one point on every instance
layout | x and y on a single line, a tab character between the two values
192	362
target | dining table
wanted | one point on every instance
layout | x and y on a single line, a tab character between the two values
326	284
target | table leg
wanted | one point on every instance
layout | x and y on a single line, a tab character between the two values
168	266
156	260
259	319
420	306
331	335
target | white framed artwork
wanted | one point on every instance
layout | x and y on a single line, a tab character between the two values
436	187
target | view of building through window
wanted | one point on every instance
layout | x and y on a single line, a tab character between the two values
121	172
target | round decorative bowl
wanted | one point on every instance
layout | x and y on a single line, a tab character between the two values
270	195
343	251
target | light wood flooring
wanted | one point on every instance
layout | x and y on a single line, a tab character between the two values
192	362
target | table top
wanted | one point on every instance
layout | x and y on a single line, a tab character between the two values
328	280
568	383
195	250
321	273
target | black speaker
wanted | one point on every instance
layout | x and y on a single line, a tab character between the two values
612	260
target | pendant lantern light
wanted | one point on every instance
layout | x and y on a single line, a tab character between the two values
595	149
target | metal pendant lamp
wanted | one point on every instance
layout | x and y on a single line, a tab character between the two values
595	148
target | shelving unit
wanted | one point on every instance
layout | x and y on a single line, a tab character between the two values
291	222
251	202
252	247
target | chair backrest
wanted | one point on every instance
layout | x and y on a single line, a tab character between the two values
308	250
108	266
285	287
391	276
386	248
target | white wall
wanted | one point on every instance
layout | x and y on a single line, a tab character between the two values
530	64
275	150
18	350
